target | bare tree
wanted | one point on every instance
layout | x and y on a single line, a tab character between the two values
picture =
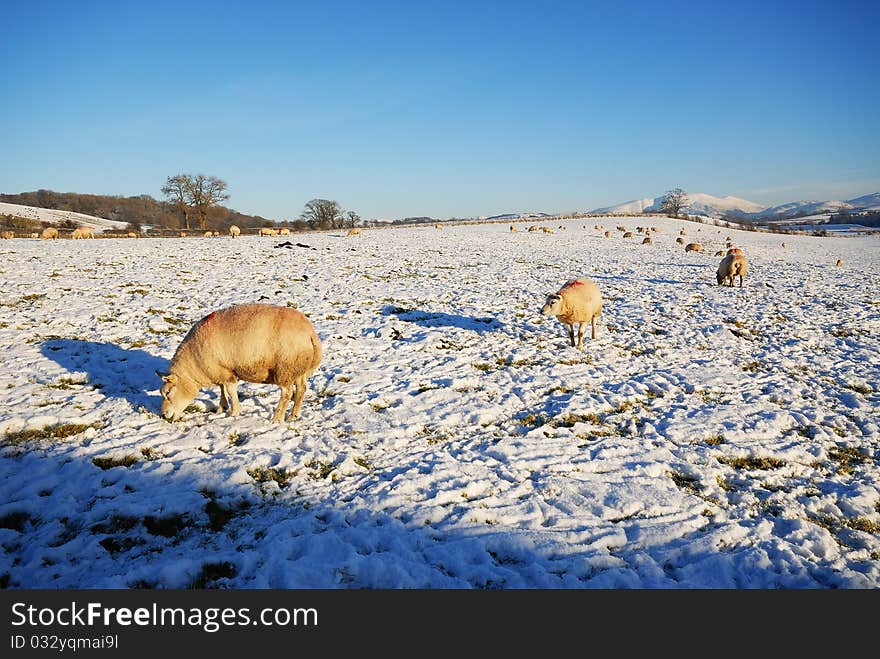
352	219
205	192
176	190
322	214
673	202
195	195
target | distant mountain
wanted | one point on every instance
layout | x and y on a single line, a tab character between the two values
866	202
698	203
504	217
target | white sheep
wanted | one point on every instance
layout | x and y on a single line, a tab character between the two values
49	233
260	343
693	247
731	266
266	231
354	232
839	262
82	232
234	231
284	231
7	235
131	234
578	301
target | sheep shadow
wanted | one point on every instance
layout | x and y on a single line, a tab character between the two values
120	373
441	319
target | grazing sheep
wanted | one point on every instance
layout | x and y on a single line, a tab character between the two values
49	233
266	231
578	301
131	234
693	247
208	234
438	226
512	229
734	250
731	266
35	235
182	234
598	227
82	232
647	240
607	234
839	262
354	232
628	234
682	233
546	229
533	228
620	228
216	233
680	240
260	343
234	231
284	231
7	235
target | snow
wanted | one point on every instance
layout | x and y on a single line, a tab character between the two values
708	437
58	216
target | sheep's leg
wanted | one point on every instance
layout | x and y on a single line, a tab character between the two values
298	397
580	335
593	326
570	330
232	395
224	400
284	401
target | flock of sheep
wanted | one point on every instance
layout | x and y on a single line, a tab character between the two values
242	342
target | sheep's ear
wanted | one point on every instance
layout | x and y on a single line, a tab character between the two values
167	377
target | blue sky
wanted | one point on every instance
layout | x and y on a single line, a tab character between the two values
447	109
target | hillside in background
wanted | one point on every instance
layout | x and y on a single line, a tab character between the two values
705	204
122	212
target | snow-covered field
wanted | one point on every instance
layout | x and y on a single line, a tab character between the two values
708	437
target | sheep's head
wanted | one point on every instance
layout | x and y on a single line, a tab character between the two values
175	396
552	305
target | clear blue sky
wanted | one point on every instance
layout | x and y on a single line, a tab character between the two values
445	109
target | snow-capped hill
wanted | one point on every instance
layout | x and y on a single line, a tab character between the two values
697	203
866	202
516	216
634	206
810	207
57	217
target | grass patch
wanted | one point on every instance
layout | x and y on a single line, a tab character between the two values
235	438
151	454
211	573
483	366
266	474
751	367
65	383
714	440
168	526
114	461
59	431
846	457
15	521
752	462
320	469
363	462
570	419
684	482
